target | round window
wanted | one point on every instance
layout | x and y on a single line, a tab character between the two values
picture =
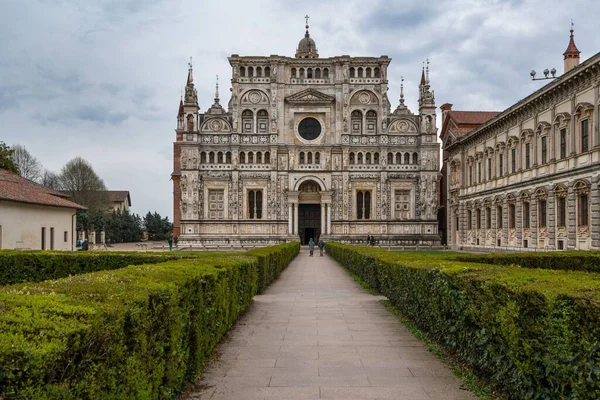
309	128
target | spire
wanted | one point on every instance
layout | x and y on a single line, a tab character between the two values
423	81
427	72
180	113
217	91
572	53
401	90
190	79
402	108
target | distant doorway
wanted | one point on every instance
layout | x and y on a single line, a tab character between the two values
309	222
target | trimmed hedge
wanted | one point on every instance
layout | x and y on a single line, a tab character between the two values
532	333
271	263
567	261
135	332
37	266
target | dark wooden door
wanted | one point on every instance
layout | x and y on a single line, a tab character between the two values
309	222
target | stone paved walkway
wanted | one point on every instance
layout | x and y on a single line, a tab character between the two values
316	334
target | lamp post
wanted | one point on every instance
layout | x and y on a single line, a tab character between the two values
547	72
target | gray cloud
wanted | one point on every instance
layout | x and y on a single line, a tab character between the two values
102	79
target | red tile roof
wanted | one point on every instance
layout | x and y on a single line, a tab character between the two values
21	190
118	196
472	117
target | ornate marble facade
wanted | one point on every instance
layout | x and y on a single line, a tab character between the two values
308	146
530	177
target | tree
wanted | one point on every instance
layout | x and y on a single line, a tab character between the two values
158	228
51	180
121	226
29	166
81	182
6	159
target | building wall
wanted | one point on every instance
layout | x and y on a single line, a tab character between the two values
21	226
480	174
213	156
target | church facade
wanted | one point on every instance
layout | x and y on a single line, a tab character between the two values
306	147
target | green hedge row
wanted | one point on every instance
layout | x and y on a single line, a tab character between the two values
138	332
37	266
532	333
271	263
568	260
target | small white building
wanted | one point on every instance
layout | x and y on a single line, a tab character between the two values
35	217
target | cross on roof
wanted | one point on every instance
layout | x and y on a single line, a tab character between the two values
306	17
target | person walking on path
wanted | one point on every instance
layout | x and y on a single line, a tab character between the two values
311	246
170	241
321	245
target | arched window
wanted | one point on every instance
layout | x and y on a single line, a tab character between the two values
220	157
390	158
301	158
309	158
359	159
318	73
228	157
262	120
368	158
258	157
247	121
258	71
190	123
351	158
371	122
376	159
368	71
301	73
242	71
268	72
352	72
415	158
293	73
250	72
406	158
203	157
242	158
377	75
250	157
398	158
317	158
325	73
267	158
360	72
309	73
211	157
356	119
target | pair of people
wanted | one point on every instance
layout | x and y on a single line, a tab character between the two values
311	246
371	240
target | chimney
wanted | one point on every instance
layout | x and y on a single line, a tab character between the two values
445	108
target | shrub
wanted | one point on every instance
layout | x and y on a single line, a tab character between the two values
271	263
36	266
135	332
567	261
532	333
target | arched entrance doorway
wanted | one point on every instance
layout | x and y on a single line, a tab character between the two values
309	211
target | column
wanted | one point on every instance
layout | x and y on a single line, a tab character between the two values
290	218
296	218
329	218
323	218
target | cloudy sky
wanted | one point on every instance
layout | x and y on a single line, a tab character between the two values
101	79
